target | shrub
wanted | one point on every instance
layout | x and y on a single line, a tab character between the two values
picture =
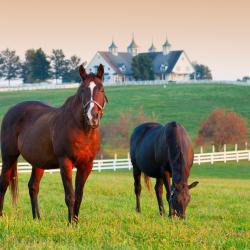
117	134
222	127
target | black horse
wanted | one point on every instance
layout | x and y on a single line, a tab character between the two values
163	152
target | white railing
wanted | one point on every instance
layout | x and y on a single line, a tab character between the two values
222	156
125	163
35	86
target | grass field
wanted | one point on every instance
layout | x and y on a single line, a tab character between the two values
218	216
188	104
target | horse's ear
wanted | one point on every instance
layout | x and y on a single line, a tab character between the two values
82	72
194	184
100	71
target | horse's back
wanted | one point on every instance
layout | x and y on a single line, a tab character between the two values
142	145
138	135
17	119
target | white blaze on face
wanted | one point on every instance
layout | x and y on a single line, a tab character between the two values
91	106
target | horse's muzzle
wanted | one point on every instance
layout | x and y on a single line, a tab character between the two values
94	123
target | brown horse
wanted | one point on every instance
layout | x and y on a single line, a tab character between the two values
163	152
49	137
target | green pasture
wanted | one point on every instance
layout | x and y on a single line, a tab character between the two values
218	216
188	104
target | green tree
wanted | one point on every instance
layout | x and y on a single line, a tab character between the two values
202	72
36	66
72	72
10	66
1	65
246	79
59	63
142	67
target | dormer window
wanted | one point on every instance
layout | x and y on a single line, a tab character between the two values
163	67
122	68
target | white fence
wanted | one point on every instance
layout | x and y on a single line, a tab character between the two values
36	86
115	164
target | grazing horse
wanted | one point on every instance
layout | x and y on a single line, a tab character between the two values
163	152
49	137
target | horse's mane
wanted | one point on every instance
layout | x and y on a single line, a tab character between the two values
175	152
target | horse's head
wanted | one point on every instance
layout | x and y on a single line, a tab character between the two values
93	95
180	198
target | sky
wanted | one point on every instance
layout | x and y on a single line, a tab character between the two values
212	32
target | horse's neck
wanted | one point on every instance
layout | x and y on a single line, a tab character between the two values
73	109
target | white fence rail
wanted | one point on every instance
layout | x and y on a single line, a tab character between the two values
115	164
35	86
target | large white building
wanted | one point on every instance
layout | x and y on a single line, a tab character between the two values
171	65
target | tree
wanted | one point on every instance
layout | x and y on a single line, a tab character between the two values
10	65
72	73
222	127
36	66
202	72
1	65
142	67
246	79
59	63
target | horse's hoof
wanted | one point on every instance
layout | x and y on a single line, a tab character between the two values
138	210
162	214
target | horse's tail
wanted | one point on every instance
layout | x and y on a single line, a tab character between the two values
14	185
147	182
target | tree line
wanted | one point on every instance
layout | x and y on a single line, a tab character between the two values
38	67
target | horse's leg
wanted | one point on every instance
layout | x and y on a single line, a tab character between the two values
66	167
36	176
159	191
167	184
8	165
81	177
137	186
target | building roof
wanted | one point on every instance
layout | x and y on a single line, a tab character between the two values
117	61
166	44
152	48
133	45
161	63
113	45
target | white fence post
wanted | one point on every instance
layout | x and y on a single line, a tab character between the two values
201	150
99	166
249	155
129	162
246	145
236	150
199	159
212	155
225	153
114	162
